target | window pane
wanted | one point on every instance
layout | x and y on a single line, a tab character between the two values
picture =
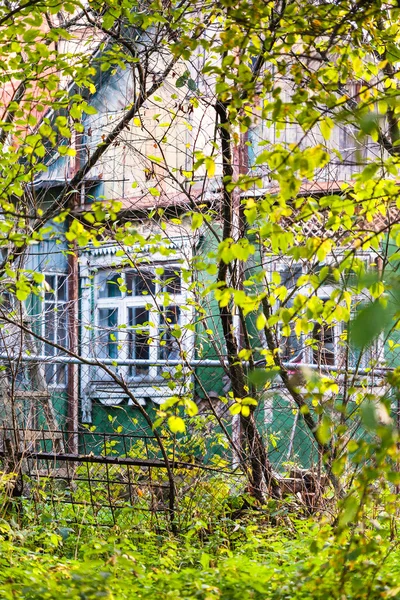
329	279
140	284
290	275
108	285
50	287
171	281
6	301
62	288
108	333
324	351
61	374
55	325
49	374
49	330
130	282
292	348
62	332
138	316
144	283
170	316
138	339
169	347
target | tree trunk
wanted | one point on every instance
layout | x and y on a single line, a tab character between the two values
254	457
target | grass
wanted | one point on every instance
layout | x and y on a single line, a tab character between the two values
252	557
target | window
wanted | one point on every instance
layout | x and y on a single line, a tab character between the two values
55	321
108	336
290	275
320	345
132	320
292	348
352	150
138	339
109	286
168	344
324	345
171	282
349	146
140	284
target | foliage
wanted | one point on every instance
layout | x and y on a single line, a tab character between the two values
299	76
246	558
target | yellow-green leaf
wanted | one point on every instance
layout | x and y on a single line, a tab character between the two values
176	424
210	166
261	321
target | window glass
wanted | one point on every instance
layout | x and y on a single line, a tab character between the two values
140	284
109	287
169	346
62	288
171	281
49	333
324	345
129	305
50	288
130	282
108	332
7	301
290	275
292	348
346	277
138	339
55	329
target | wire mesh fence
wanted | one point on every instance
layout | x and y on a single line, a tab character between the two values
105	402
114	479
100	452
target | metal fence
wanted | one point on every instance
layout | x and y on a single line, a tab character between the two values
116	479
91	443
66	393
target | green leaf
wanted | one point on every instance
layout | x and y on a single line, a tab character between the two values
205	560
181	81
393	53
89	110
368	123
245	411
261	321
349	511
326	126
324	430
259	377
210	166
197	221
22	294
235	408
176	424
191	407
368	414
369	323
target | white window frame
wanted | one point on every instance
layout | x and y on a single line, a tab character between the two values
125	302
60	308
324	293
